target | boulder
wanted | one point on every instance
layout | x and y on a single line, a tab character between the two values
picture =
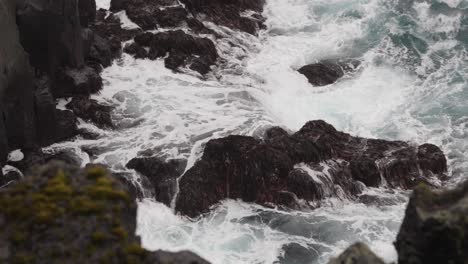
88	208
183	49
162	175
327	72
315	163
435	227
358	253
90	110
67	127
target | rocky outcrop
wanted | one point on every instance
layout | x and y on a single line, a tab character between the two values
328	71
87	208
435	227
230	13
183	49
162	175
90	110
312	164
358	253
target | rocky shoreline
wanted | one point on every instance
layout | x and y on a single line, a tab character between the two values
53	50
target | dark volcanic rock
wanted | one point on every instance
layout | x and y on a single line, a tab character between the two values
90	110
87	11
327	72
162	175
51	33
358	253
72	82
151	14
314	163
66	125
88	208
229	13
183	49
435	227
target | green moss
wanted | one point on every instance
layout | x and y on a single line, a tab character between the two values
84	205
95	172
22	259
120	233
18	237
135	249
99	237
58	185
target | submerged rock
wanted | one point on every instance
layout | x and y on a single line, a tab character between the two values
435	227
90	210
358	253
314	163
327	72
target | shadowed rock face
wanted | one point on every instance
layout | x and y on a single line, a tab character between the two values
358	253
435	227
88	208
312	164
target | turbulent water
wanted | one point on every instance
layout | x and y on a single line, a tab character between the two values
412	85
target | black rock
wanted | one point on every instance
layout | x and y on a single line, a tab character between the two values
358	253
314	163
66	125
183	49
327	72
162	175
435	227
72	82
87	11
90	110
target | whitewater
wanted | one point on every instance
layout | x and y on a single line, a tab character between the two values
412	85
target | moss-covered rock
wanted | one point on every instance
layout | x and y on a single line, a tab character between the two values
63	214
358	253
435	227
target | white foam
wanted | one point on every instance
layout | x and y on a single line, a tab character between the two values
16	155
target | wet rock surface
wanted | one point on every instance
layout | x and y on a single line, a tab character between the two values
358	253
197	53
314	163
88	208
91	110
435	227
328	71
162	175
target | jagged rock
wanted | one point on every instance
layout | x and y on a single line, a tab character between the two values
229	13
162	175
327	72
151	14
183	49
10	177
435	227
71	82
314	163
358	253
135	49
88	208
90	110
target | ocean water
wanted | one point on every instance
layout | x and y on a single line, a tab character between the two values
412	85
